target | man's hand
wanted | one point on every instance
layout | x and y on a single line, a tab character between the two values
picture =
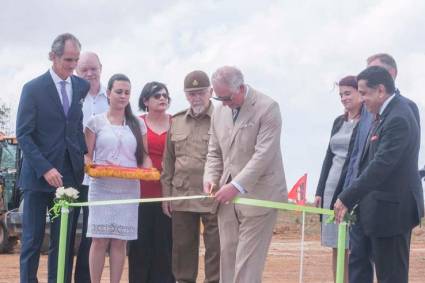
340	211
166	208
54	178
226	193
209	188
318	201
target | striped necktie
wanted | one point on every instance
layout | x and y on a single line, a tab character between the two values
235	113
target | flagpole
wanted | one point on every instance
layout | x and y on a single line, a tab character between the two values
302	247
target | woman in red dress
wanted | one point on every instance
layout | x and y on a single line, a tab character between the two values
149	257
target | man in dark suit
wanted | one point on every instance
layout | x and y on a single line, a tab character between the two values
389	207
49	131
360	260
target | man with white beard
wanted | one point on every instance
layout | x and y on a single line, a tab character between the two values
183	168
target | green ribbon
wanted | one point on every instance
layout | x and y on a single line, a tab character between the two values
61	206
283	206
55	211
140	200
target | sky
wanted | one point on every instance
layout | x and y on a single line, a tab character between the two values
293	51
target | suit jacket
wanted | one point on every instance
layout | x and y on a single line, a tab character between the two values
45	134
327	162
417	184
388	204
248	150
412	105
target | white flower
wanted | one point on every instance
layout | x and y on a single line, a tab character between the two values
60	192
72	193
69	194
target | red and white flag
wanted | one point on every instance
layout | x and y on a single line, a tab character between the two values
298	191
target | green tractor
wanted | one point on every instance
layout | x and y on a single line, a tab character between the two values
10	161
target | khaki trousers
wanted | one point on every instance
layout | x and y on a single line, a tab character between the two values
185	231
245	241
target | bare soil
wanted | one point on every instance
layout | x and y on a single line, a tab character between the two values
283	262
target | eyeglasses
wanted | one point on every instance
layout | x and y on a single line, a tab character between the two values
223	98
159	94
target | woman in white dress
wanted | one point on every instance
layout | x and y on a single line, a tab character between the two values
116	137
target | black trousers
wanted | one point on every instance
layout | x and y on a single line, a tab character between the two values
391	256
149	257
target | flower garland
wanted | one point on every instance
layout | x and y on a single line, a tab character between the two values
146	174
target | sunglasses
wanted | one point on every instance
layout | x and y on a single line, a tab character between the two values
158	95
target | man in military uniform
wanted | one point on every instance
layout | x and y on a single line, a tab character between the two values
183	169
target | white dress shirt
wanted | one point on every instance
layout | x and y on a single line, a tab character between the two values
385	104
68	86
95	104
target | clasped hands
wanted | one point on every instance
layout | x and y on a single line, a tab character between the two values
225	194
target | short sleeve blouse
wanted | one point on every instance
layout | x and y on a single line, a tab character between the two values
115	144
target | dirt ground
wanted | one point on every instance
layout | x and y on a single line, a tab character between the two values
283	262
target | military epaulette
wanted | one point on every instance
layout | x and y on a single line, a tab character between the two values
183	112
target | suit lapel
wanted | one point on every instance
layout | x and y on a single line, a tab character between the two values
52	92
374	130
75	96
244	114
377	129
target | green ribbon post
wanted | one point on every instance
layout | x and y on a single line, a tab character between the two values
62	243
340	264
342	229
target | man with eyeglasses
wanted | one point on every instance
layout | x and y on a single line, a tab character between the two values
244	159
183	167
96	102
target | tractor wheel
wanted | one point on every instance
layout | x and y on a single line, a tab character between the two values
6	243
4	238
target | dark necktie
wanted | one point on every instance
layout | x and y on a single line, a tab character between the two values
374	124
65	100
235	113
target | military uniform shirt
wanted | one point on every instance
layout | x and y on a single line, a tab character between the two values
184	159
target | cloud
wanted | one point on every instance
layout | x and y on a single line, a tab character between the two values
292	51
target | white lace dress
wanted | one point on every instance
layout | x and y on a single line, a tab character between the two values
115	144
